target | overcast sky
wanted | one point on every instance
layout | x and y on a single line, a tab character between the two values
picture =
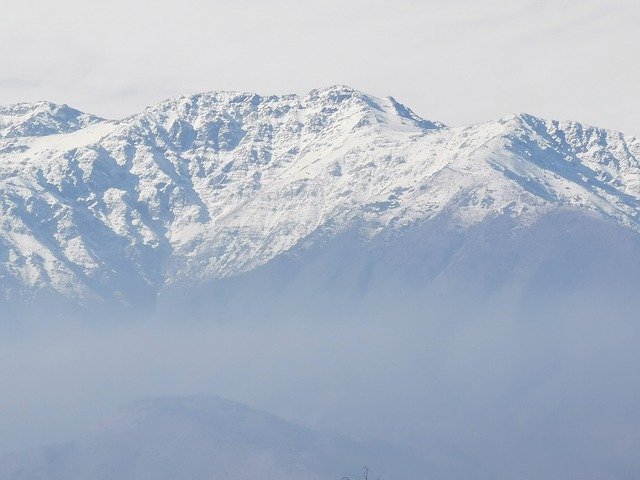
454	61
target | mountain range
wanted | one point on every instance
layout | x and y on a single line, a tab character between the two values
235	192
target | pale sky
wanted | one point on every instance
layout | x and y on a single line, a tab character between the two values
458	62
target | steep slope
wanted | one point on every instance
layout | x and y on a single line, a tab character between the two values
213	185
200	438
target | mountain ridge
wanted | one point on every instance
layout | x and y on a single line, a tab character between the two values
215	184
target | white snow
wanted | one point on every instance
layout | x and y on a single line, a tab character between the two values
210	185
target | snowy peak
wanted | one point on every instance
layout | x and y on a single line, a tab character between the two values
319	109
40	119
569	162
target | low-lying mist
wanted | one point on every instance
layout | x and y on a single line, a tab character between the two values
513	355
552	392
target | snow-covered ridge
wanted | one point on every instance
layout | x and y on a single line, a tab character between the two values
210	185
41	118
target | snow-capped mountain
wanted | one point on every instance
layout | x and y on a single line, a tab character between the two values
209	186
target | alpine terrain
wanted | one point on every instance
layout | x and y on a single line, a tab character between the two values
226	186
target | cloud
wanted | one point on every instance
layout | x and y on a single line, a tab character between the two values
457	62
17	83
